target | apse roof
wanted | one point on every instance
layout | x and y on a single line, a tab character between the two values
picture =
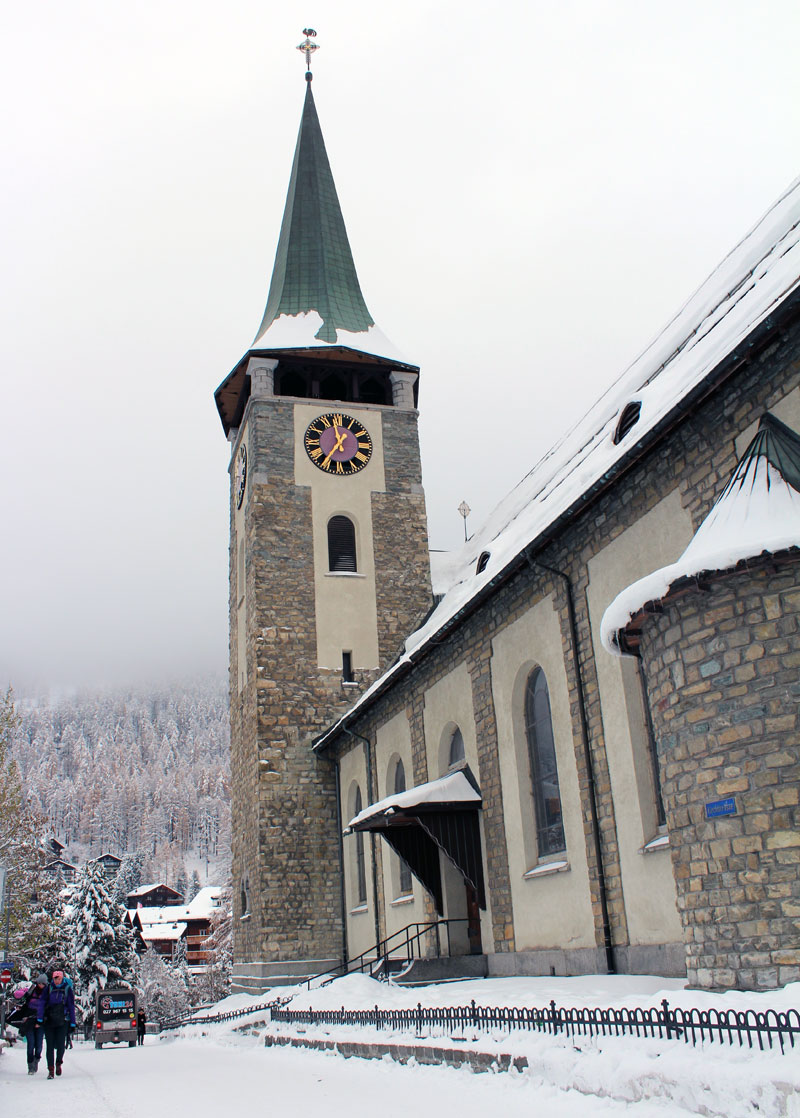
758	511
709	334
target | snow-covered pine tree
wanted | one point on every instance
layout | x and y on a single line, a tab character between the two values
180	967
162	991
103	944
214	983
194	887
129	876
182	883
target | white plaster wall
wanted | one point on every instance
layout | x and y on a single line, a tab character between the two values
448	704
394	740
657	538
553	909
346	611
360	919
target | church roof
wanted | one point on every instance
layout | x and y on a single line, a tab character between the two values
758	511
743	299
315	306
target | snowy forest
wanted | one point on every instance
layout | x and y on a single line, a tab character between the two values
140	775
134	771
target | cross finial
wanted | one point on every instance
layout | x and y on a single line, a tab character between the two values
308	49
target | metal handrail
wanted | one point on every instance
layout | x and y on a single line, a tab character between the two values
404	949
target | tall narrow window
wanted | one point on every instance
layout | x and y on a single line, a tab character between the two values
544	771
456	747
661	817
347	667
341	544
361	864
400	786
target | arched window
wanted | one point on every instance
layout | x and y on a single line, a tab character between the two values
544	771
361	864
456	747
400	786
341	544
244	898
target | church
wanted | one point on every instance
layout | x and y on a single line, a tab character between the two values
574	746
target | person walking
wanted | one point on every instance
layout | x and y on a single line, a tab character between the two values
58	1017
34	1033
141	1026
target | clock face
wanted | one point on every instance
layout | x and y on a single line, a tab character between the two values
240	475
338	444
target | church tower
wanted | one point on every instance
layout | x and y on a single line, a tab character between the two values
329	566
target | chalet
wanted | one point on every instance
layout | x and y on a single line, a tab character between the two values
163	928
109	863
155	895
62	869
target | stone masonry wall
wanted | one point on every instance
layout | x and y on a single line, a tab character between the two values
285	825
724	682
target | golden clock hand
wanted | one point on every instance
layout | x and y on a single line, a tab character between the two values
340	437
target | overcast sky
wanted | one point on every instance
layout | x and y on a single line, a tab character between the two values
530	189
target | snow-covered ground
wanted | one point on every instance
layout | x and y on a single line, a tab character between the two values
207	1070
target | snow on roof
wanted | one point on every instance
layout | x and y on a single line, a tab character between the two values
163	931
140	892
206	901
202	906
749	285
451	789
299	331
758	511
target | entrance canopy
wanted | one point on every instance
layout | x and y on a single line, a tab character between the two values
441	815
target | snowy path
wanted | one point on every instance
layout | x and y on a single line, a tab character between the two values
173	1078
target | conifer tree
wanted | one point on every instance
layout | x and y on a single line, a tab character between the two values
103	944
129	877
194	887
163	993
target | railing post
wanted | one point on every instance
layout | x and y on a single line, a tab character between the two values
554	1016
667	1015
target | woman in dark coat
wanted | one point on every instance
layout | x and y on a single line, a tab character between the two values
34	1005
141	1026
58	1018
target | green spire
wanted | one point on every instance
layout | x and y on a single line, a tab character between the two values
314	269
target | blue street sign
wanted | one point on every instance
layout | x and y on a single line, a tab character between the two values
721	807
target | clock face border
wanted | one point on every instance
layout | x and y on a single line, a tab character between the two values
240	475
337	444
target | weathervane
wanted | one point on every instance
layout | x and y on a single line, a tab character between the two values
308	49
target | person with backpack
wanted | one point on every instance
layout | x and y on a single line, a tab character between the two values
58	1017
33	1005
141	1026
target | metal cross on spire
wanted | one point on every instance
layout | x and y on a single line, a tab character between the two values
308	49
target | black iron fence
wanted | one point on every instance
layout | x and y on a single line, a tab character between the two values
765	1028
195	1017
